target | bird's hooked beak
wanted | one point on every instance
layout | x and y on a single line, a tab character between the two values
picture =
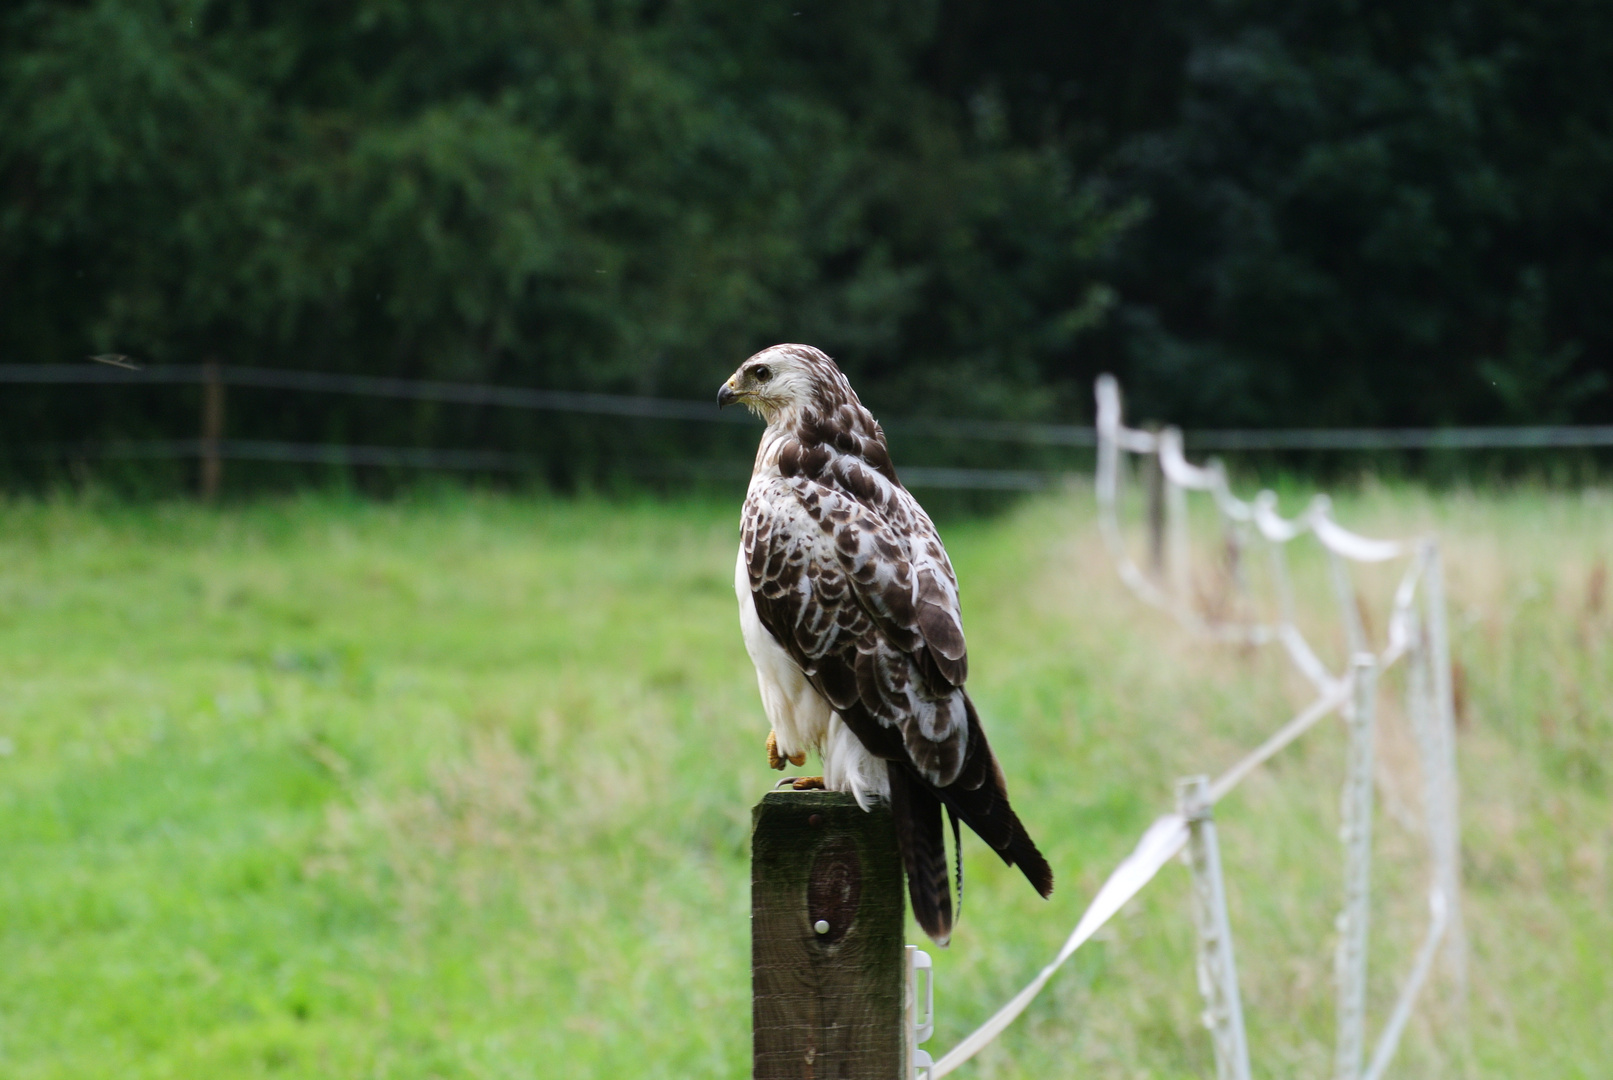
726	394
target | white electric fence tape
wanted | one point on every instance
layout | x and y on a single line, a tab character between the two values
1414	628
1160	844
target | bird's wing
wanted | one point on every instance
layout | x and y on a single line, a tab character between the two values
848	575
859	591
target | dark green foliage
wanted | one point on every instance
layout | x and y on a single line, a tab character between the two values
1373	213
1259	213
627	197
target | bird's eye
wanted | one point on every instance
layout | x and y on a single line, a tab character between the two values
762	372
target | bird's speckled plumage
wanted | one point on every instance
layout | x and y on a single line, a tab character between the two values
850	611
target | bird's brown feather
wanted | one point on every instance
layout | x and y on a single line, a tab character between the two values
848	574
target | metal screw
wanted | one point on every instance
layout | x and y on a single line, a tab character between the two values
821	926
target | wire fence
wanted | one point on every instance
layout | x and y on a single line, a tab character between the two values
343	454
1417	639
213	449
1416	636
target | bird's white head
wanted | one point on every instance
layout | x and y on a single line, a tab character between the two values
782	382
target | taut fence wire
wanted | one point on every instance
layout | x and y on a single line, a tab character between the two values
657	408
1416	638
213	449
576	401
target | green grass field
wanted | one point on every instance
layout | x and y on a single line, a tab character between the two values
459	786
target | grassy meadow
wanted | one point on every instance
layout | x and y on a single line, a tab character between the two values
459	786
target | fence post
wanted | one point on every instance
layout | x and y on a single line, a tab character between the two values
828	962
1355	632
1356	831
1177	541
1156	511
1444	817
212	429
1217	967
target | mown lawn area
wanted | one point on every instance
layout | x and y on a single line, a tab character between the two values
459	786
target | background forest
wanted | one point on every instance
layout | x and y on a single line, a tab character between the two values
455	784
1307	213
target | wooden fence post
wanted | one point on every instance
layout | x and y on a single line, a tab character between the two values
212	429
828	966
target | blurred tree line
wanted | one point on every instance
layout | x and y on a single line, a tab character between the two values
1256	213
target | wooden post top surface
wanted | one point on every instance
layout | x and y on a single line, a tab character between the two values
828	915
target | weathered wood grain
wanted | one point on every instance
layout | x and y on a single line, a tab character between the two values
826	1006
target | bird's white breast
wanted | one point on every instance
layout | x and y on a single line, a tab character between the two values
802	720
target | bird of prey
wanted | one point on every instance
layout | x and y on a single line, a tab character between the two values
849	610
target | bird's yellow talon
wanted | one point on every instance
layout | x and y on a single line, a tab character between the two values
776	760
807	783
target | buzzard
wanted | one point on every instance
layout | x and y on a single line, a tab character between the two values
849	610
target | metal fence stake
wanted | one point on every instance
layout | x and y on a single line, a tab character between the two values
1280	584
1344	590
1356	832
1443	816
1217	967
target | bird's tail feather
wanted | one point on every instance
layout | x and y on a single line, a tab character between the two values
957	856
980	798
917	814
995	822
